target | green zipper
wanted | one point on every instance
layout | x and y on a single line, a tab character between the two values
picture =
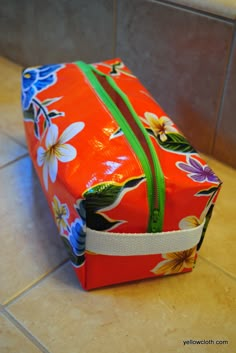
155	183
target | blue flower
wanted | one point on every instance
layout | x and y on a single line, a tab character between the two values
77	237
35	80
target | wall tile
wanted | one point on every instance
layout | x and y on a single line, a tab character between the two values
38	32
11	117
226	8
225	142
181	58
16	30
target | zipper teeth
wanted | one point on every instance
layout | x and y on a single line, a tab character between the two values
160	185
156	163
132	139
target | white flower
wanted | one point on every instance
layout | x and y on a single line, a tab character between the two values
57	150
160	126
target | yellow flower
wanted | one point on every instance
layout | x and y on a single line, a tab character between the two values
175	262
61	214
190	222
160	126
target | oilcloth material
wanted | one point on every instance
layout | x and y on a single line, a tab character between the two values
127	190
128	244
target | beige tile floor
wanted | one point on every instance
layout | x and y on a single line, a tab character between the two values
42	307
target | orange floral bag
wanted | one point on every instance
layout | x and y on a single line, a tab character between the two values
130	196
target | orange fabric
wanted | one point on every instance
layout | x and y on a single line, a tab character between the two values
72	143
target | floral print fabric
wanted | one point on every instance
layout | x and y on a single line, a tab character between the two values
35	80
57	149
73	234
175	262
160	126
197	172
61	214
93	179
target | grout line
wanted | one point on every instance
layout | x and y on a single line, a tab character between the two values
229	274
114	39
194	10
15	160
33	284
225	83
16	140
24	331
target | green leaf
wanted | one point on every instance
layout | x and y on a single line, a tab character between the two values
80	207
176	143
29	114
98	198
54	114
47	102
117	133
38	114
101	196
99	222
150	132
208	217
207	192
105	194
50	101
45	125
36	130
113	70
76	260
133	182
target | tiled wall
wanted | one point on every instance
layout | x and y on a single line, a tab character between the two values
185	57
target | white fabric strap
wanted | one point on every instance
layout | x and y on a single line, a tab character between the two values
128	244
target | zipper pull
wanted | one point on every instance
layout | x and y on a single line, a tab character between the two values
155	217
